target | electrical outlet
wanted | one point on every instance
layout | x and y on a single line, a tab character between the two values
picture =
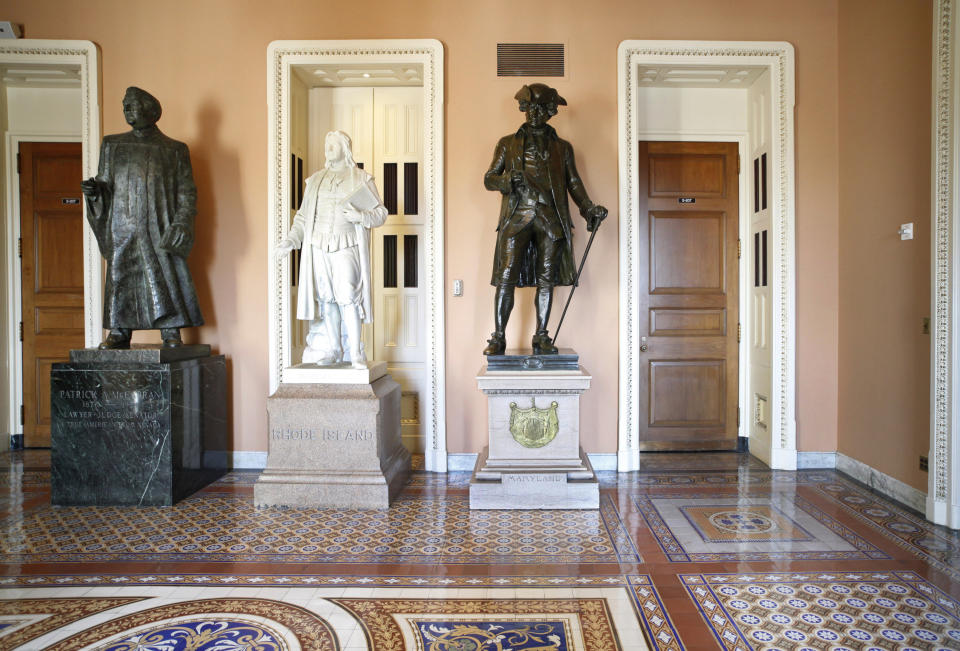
924	465
458	288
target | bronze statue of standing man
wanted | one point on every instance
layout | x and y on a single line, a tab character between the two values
141	207
534	169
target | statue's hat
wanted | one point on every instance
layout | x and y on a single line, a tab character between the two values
539	94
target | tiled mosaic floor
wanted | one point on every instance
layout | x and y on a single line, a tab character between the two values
699	551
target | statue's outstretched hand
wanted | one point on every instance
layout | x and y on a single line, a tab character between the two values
90	188
286	246
594	216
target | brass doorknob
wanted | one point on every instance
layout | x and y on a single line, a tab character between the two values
643	344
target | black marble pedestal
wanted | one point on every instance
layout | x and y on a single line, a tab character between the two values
146	426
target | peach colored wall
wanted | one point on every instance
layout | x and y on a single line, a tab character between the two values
206	61
885	59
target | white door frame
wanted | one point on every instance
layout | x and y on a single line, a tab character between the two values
778	58
943	488
54	53
281	57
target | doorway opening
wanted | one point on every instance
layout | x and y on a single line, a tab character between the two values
717	92
48	93
387	95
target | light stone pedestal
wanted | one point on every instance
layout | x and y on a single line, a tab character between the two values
523	467
334	445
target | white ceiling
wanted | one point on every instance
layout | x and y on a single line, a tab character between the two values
692	76
41	75
360	74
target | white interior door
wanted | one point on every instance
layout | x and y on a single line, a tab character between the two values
386	127
398	283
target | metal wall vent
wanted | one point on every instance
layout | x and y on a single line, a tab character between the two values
530	60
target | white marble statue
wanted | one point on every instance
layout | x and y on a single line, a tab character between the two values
340	206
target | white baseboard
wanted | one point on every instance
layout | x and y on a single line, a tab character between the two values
464	462
816	460
882	482
603	460
461	462
781	459
248	460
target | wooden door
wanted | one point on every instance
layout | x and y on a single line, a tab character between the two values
51	250
688	301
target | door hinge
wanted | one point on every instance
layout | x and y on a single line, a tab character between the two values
21	331
739	244
739	332
20	247
738	416
18	162
738	163
23	415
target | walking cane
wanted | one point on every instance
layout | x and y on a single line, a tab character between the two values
576	281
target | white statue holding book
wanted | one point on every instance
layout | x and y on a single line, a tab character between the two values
332	228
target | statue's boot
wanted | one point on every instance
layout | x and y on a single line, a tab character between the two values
323	339
171	337
496	344
354	324
542	343
502	306
118	339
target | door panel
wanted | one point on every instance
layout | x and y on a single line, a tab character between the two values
686	252
51	229
399	292
688	379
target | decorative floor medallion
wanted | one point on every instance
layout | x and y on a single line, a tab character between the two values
720	523
855	610
694	527
22	620
210	625
485	624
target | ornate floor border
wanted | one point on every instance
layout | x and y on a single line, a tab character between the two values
308	580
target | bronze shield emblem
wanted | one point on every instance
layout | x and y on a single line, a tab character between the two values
534	427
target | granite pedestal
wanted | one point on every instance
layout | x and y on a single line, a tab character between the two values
333	444
145	426
534	459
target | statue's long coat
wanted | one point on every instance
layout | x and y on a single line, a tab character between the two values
146	186
564	178
301	233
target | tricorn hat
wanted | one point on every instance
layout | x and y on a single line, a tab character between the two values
540	94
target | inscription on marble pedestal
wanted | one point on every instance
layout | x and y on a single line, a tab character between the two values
334	445
136	433
334	435
556	478
111	409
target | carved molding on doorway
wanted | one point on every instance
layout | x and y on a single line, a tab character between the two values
943	492
84	55
281	57
778	58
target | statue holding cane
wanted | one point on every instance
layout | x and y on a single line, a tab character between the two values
534	169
